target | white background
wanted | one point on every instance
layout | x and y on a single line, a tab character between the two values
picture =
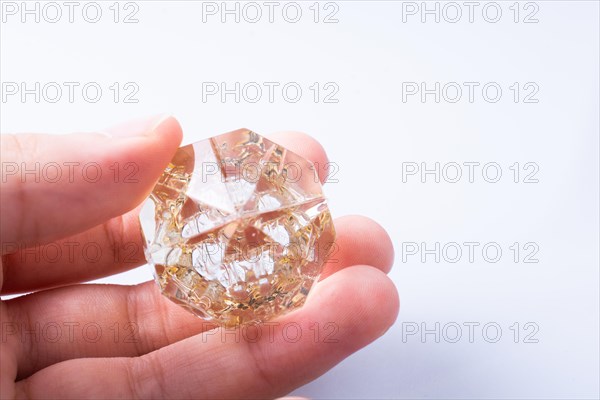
369	133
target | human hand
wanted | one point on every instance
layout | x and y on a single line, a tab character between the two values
68	340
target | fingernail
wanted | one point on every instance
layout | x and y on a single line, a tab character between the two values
138	127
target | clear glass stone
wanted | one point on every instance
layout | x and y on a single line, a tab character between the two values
237	228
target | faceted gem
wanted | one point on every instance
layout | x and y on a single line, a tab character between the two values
237	229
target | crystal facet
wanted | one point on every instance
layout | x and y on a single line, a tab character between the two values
237	228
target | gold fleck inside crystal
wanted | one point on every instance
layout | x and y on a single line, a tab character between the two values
237	228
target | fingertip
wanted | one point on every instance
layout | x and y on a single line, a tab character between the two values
360	240
153	154
381	249
169	128
306	146
146	126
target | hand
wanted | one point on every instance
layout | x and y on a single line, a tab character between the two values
75	219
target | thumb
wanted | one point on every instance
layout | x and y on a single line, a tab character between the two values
53	186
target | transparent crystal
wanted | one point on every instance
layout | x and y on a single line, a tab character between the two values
237	228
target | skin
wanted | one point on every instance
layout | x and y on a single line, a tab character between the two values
171	353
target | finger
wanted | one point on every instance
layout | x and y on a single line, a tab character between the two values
217	365
135	320
110	248
359	240
58	185
307	147
113	247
